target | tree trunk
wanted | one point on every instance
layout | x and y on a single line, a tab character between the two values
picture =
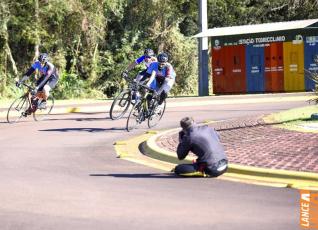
9	54
93	75
75	55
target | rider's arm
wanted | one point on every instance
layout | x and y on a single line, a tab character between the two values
170	74
48	74
152	77
28	73
136	62
35	66
151	71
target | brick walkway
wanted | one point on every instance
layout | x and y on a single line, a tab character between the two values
251	142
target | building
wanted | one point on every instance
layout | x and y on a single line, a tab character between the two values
260	58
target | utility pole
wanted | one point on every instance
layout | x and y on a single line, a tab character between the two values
203	50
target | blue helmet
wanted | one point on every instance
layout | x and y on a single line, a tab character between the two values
43	58
163	58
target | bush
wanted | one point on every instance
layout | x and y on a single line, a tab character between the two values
71	86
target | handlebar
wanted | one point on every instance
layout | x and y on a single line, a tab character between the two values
28	86
138	84
146	87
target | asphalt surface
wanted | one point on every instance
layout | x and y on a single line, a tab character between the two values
63	174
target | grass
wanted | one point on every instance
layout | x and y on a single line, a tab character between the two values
298	119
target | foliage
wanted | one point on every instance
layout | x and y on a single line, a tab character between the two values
313	76
70	86
92	41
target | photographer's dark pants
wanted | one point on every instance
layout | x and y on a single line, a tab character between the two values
201	169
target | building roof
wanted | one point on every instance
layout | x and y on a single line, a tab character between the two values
258	28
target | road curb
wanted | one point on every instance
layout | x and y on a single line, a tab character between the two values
129	150
248	174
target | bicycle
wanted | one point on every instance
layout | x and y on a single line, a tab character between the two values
146	107
123	100
28	104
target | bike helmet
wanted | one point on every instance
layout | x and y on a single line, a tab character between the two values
149	52
43	58
162	58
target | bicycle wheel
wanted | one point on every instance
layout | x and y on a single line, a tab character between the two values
157	112
120	105
41	113
18	109
135	117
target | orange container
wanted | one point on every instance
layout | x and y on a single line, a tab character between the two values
274	67
228	69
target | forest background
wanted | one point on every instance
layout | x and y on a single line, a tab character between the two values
92	41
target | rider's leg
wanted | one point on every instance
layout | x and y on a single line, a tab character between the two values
50	84
43	96
164	89
139	77
46	90
142	76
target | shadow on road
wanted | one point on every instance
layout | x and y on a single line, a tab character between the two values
141	175
90	130
78	119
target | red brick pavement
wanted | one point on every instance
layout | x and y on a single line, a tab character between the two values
252	142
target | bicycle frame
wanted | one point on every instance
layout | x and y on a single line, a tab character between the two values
142	102
145	108
33	99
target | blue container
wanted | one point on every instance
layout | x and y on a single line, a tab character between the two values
311	51
255	66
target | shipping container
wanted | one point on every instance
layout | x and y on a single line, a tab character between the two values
311	65
255	68
294	66
274	67
269	57
229	74
218	67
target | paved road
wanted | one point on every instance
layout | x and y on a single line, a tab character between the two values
64	174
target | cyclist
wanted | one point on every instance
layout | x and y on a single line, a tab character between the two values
162	77
48	77
147	59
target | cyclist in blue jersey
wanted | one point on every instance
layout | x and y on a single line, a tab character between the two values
162	76
48	76
147	59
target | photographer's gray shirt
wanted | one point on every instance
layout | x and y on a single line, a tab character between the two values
204	142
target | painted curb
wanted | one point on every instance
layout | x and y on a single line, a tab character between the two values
129	150
272	177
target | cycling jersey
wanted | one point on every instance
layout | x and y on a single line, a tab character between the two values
142	59
163	79
167	71
48	74
47	69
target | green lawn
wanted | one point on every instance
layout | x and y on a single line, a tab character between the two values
296	119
